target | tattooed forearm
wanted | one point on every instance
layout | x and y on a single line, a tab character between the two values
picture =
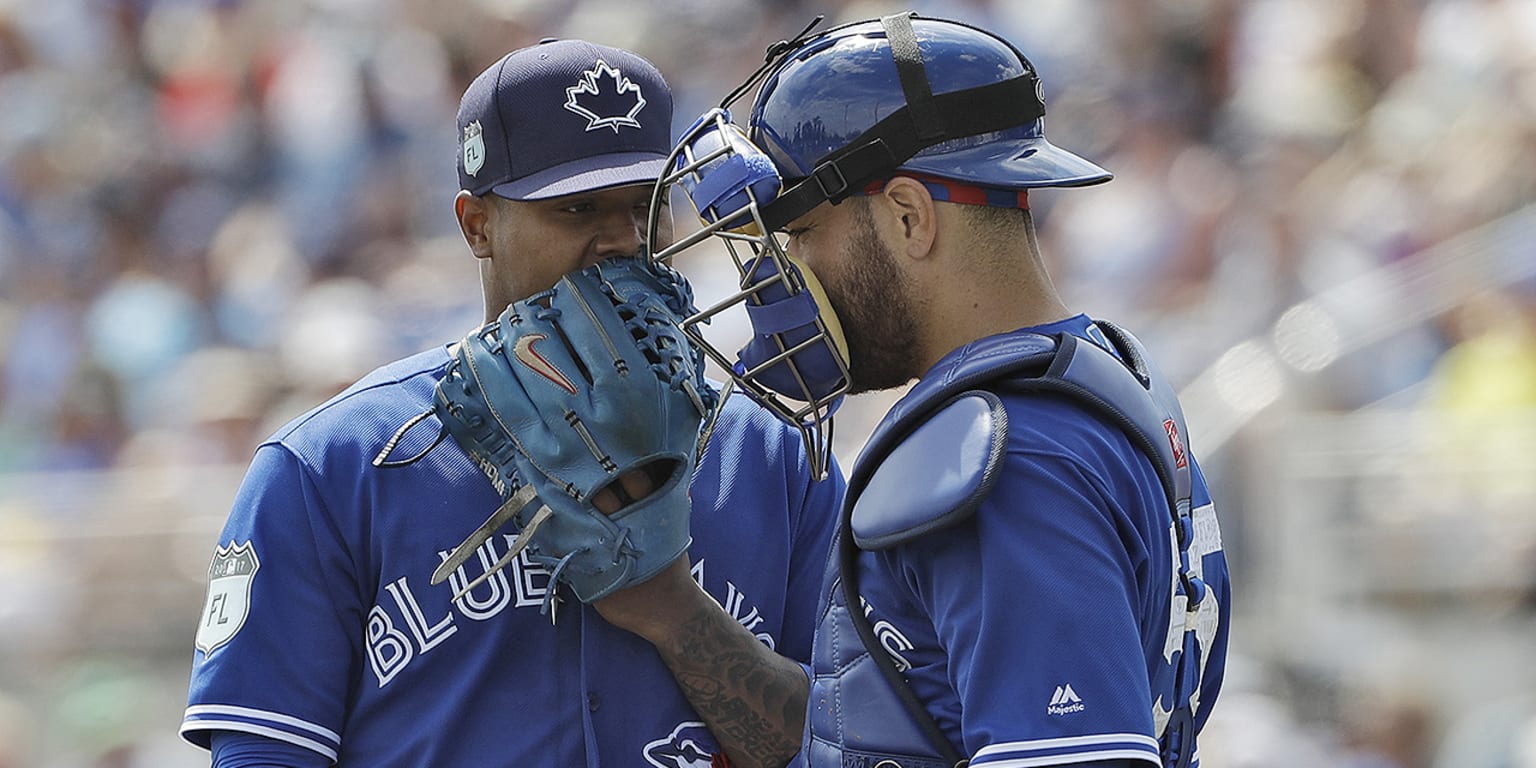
752	698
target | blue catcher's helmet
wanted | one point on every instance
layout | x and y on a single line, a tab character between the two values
939	97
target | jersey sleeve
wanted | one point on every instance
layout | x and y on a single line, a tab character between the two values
273	647
232	749
1034	602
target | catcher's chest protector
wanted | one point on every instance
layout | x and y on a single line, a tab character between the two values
930	464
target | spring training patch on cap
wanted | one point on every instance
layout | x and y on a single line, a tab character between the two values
474	148
605	109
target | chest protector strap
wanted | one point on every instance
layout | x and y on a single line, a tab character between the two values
933	460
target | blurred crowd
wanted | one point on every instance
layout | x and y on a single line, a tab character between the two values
214	214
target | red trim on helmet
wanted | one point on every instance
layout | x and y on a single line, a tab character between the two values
951	191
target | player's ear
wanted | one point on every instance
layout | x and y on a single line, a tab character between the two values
910	204
474	215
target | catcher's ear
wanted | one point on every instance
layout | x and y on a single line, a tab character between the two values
474	215
907	202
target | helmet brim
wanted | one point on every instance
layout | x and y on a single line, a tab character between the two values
1022	163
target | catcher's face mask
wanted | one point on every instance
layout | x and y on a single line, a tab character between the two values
796	363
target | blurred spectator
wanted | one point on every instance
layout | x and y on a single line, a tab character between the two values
16	729
1481	402
1382	730
1499	734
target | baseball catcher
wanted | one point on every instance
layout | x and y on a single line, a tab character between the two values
534	398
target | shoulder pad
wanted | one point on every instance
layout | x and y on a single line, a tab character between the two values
936	476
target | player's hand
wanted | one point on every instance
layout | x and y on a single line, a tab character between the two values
585	405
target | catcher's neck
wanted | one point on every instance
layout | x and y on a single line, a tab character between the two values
982	287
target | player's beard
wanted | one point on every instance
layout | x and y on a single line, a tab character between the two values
874	302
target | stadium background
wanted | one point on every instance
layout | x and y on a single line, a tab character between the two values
215	213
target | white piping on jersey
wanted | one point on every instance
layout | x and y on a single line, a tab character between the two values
1000	759
1069	741
259	730
276	717
1076	757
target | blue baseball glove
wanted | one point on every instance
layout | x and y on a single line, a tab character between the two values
566	392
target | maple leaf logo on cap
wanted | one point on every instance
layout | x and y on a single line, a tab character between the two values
605	109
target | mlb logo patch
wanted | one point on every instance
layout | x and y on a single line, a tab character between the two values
1179	459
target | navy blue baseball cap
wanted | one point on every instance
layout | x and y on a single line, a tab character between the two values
563	117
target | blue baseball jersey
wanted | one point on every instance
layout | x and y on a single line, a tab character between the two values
1041	630
322	629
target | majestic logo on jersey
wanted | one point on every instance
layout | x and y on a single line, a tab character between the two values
690	745
527	355
229	594
605	107
1065	701
1180	460
474	148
